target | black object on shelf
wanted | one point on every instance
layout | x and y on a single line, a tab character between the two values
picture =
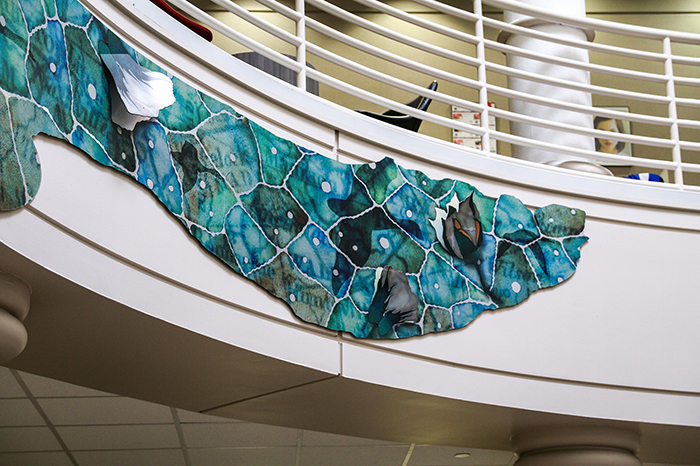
402	120
273	68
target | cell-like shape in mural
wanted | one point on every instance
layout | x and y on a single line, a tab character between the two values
376	250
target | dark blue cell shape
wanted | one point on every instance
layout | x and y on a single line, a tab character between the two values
47	71
276	212
373	240
317	258
514	221
156	169
464	313
315	181
249	244
34	13
514	279
381	178
278	155
70	11
550	262
441	284
13	43
559	221
433	188
412	209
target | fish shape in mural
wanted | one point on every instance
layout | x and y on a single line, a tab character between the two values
376	250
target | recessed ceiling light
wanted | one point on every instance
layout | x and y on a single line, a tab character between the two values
463	455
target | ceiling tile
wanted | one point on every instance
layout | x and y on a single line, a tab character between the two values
19	412
354	456
119	437
424	455
240	434
104	410
27	439
44	387
173	457
9	388
54	458
277	456
192	417
320	439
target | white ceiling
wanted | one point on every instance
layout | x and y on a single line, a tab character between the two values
44	422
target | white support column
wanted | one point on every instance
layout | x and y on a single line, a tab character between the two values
14	307
576	446
576	8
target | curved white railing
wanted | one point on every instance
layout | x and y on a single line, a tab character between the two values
374	59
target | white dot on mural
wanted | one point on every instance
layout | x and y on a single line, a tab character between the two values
273	150
478	262
2	21
232	157
409	213
340	234
171	189
551	220
149	182
520	225
425	183
305	260
372	165
123	156
354	247
52	67
202	184
559	279
316	242
119	130
516	287
245	260
290	214
335	272
211	214
326	187
556	253
436	286
292	298
573	211
151	144
92	92
276	231
383	242
439	325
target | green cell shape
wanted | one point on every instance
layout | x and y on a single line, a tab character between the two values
412	209
478	294
215	106
155	167
381	178
70	11
217	244
441	284
408	330
550	262
437	320
362	288
463	314
50	8
514	280
91	100
436	189
558	221
345	317
251	247
514	221
12	188
373	240
315	181
85	142
278	155
573	247
231	145
33	13
187	112
13	44
309	301
276	212
47	70
484	204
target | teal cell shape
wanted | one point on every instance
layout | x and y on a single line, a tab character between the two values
484	204
381	178
276	212
87	143
309	302
559	221
373	240
441	284
187	112
13	44
91	101
70	11
50	8
315	256
232	148
471	272
47	70
487	259
362	288
216	244
573	247
155	168
436	189
550	262
463	314
411	209
514	279
277	155
215	106
407	330
33	13
437	320
249	244
514	221
345	317
315	181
